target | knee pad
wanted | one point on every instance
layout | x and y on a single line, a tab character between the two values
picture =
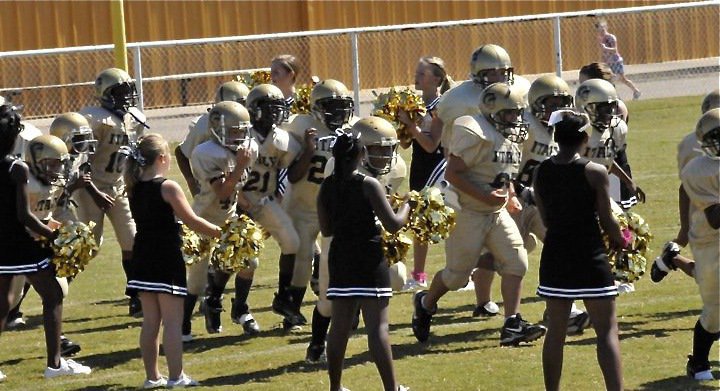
63	283
709	320
454	279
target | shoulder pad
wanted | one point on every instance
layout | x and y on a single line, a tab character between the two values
458	100
281	139
472	124
29	132
135	112
299	123
99	116
399	170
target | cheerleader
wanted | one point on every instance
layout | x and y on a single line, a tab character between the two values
158	266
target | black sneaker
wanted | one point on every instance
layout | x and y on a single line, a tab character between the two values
421	318
487	310
670	251
290	327
14	320
698	370
578	323
135	307
68	348
283	306
315	354
212	307
516	330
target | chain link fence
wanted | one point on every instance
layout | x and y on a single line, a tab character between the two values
661	45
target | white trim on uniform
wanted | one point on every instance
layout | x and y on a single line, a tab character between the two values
359	292
437	173
27	268
577	293
157	287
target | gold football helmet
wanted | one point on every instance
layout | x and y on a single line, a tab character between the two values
115	89
711	101
229	123
708	133
548	93
380	140
47	157
491	64
503	106
266	105
599	99
331	103
232	90
73	129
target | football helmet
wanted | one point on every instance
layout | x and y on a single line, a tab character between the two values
543	88
331	103
229	123
115	89
491	64
232	90
711	101
708	133
267	107
599	99
380	140
503	106
73	129
47	157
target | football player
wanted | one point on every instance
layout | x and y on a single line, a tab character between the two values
198	131
670	258
702	185
27	134
484	156
115	124
331	110
382	162
219	165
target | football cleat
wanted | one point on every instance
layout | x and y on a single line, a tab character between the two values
578	323
68	348
421	318
487	310
698	370
212	307
315	354
517	330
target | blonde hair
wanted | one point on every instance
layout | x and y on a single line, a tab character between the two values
289	62
438	69
143	155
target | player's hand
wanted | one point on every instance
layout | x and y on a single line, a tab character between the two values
514	206
310	139
103	201
639	193
498	196
242	158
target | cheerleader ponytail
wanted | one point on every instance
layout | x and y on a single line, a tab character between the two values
141	155
438	70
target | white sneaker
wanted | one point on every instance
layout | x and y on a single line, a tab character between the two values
67	367
159	383
469	287
626	287
403	388
15	323
187	338
410	285
182	382
2	377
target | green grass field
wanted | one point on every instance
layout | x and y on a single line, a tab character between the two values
656	321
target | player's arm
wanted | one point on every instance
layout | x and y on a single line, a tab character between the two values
19	175
375	192
184	165
684	210
597	177
625	178
225	186
455	174
173	195
299	168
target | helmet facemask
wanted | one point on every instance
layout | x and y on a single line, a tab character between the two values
232	137
487	77
510	123
334	112
120	97
603	115
380	158
710	143
269	113
83	141
544	107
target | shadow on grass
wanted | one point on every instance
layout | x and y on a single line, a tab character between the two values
680	383
112	387
113	327
111	359
199	345
116	302
631	330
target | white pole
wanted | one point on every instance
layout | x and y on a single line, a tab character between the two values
137	64
558	46
356	71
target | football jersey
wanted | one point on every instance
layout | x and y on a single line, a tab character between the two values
391	180
198	133
112	133
42	198
23	139
304	192
538	147
702	183
688	149
601	149
276	151
209	161
458	101
491	158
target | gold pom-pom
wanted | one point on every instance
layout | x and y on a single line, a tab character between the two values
254	79
301	104
387	105
395	246
194	247
430	220
239	245
629	264
73	249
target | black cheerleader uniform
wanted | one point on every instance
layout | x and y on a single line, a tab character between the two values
157	264
20	253
356	263
574	262
426	168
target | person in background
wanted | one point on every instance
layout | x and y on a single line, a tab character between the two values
611	56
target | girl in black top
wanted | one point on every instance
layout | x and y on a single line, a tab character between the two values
348	205
572	196
21	254
158	269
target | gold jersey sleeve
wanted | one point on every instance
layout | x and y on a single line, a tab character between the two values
23	139
198	133
112	133
463	99
490	158
210	162
701	180
688	149
42	198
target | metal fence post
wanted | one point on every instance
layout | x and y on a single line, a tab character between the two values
356	71
137	65
558	46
